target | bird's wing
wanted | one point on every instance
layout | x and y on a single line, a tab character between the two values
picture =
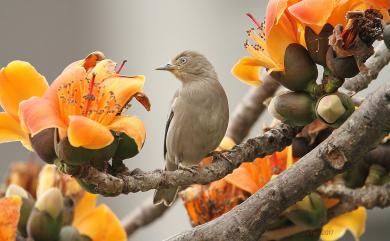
171	113
166	132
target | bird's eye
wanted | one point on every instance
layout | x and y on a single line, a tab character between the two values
182	60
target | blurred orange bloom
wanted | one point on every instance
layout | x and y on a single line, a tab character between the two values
97	222
18	81
88	95
9	217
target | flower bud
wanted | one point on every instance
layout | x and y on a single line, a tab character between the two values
51	202
43	145
341	67
16	190
386	36
334	109
299	69
69	233
296	108
42	226
318	44
309	213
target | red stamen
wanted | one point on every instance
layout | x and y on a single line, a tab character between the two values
121	66
91	84
254	20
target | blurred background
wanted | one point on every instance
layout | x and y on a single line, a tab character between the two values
50	34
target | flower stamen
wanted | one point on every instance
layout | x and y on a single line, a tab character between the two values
260	26
121	66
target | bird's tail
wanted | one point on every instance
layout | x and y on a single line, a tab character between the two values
166	196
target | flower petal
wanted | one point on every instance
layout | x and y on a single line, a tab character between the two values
243	179
38	114
248	70
88	133
124	88
84	207
132	127
305	13
19	81
275	9
10	129
101	224
354	221
380	3
9	217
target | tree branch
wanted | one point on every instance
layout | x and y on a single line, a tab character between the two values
375	64
273	140
344	147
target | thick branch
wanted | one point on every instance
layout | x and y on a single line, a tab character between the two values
345	146
273	140
250	109
375	64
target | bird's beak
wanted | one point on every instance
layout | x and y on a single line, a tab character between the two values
167	67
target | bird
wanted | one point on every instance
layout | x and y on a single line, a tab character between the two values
198	117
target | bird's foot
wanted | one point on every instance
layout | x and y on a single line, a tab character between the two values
193	169
221	155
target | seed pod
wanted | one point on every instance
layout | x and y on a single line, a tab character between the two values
299	69
318	44
341	67
334	109
296	108
43	145
386	36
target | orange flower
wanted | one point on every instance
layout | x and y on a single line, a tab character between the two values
270	43
317	13
9	217
86	103
18	81
97	222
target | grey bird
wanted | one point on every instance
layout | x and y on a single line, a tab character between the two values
197	120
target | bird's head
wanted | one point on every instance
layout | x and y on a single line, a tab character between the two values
188	66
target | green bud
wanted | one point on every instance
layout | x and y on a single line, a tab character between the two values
375	175
69	233
43	145
386	36
309	213
16	190
42	226
299	69
334	109
318	44
51	202
296	108
341	67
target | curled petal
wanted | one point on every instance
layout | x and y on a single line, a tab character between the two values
248	70
124	88
275	10
10	129
87	133
354	221
132	127
19	81
83	207
38	114
305	13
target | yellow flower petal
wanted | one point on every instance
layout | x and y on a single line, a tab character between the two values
9	217
83	207
132	127
88	133
354	221
19	81
101	224
248	70
10	129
